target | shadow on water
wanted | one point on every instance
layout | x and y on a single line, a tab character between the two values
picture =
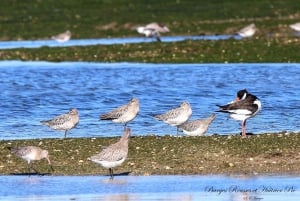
31	174
119	174
122	174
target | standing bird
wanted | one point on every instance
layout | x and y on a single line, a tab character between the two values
123	114
63	122
31	153
176	116
153	30
247	31
62	37
113	155
197	127
244	107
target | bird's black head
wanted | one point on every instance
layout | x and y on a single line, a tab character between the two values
242	94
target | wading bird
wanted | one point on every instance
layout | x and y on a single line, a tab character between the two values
244	107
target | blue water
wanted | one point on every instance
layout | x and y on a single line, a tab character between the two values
34	91
106	41
185	188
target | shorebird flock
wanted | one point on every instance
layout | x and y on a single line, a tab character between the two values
245	106
155	29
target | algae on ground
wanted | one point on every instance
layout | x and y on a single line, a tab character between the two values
222	51
277	153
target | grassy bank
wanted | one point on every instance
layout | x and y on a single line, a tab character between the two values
37	19
151	155
274	41
229	51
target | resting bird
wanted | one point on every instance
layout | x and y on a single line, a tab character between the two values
197	127
295	27
63	122
176	116
62	37
113	155
123	114
31	153
247	31
153	30
245	107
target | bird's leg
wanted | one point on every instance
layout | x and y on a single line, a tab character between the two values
31	167
50	168
244	129
66	133
111	173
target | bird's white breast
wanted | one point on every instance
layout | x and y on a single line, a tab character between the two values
110	164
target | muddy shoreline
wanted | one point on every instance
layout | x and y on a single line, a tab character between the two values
272	153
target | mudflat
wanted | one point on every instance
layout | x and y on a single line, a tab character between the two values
272	153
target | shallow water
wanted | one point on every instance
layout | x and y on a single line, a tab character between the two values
35	91
106	41
185	188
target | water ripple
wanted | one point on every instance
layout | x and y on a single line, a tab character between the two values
34	91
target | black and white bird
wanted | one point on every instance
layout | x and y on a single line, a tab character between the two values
244	107
153	30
